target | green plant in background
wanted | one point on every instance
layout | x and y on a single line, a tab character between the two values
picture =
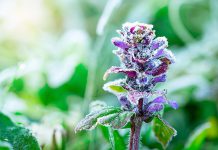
52	59
144	61
14	137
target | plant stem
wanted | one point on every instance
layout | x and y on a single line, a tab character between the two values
136	125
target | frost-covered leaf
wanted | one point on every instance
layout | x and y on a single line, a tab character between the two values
127	126
163	131
90	121
97	105
129	72
196	139
115	87
17	136
116	120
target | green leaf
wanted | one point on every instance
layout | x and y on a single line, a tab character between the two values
116	88
90	121
113	137
127	126
5	146
212	132
116	120
196	139
146	134
97	105
5	121
17	136
116	140
163	131
105	132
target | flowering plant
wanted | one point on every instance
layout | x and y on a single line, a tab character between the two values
144	61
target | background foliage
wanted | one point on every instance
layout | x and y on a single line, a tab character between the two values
53	54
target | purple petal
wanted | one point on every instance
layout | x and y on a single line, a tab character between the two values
161	78
154	45
155	107
129	72
137	27
159	53
173	104
151	64
119	43
140	60
159	99
132	29
159	70
125	102
160	42
169	56
165	55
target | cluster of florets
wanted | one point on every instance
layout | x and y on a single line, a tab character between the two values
145	61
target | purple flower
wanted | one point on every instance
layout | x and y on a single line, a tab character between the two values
154	108
144	60
162	68
159	43
161	78
159	99
165	54
163	100
119	43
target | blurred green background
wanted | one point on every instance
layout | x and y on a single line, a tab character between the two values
53	54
